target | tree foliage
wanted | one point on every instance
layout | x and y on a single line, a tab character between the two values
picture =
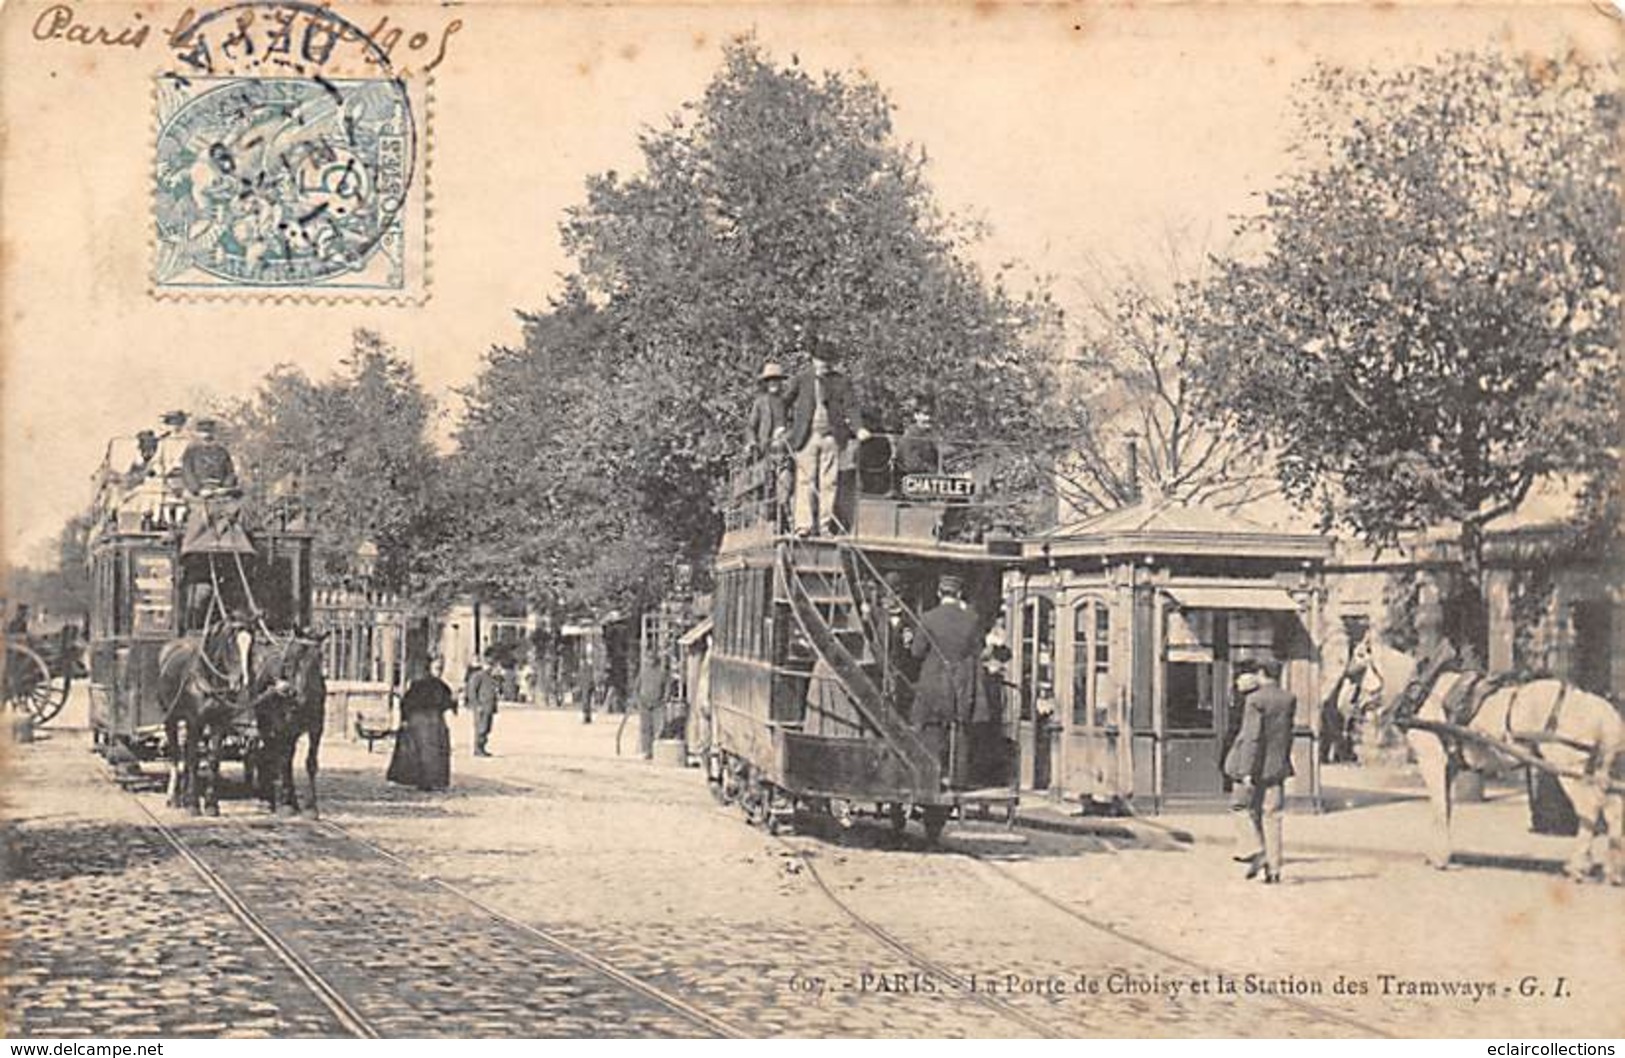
355	448
1433	327
776	210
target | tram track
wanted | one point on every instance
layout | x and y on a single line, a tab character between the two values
346	1009
1001	1008
875	932
350	1014
322	989
1125	937
558	944
1056	904
918	959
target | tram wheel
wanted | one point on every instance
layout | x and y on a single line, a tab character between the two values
936	817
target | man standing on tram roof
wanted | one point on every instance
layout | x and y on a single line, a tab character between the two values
768	420
765	434
823	421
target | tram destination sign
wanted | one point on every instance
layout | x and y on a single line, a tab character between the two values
938	487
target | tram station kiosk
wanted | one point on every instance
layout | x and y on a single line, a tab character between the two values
1128	628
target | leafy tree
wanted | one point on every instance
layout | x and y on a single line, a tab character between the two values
355	448
1433	325
776	210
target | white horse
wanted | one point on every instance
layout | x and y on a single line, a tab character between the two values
1578	735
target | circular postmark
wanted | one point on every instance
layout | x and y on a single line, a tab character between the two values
277	165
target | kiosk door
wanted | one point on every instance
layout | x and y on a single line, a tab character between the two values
1197	681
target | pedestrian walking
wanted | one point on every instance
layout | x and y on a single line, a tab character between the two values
422	756
480	695
949	646
1259	762
586	688
822	421
651	696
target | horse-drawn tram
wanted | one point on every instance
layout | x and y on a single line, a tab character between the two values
172	562
839	679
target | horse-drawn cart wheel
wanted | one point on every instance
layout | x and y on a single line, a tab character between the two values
29	685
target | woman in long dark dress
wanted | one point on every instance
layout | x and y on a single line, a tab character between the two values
422	756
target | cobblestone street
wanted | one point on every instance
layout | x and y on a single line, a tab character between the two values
1111	933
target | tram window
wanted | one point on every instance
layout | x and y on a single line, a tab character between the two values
764	615
121	593
730	608
748	632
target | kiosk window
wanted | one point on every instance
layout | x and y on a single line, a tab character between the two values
1091	663
1037	654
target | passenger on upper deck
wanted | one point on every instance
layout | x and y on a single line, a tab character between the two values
206	465
209	476
823	420
765	438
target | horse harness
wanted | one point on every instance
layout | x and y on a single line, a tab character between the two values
1467	697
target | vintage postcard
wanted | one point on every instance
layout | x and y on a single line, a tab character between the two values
812	520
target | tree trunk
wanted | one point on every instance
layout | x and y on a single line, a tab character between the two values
1466	616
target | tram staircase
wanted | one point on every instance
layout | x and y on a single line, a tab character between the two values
820	579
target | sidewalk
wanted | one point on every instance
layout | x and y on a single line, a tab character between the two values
1359	817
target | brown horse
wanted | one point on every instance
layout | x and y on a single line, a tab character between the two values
200	681
290	700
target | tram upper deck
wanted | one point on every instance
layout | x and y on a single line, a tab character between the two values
904	494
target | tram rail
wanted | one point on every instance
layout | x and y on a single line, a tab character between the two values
1125	937
559	945
345	1010
328	994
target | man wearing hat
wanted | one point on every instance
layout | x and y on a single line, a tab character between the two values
822	421
206	465
949	645
765	433
480	695
1260	761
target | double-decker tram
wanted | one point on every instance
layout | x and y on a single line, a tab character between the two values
157	578
828	691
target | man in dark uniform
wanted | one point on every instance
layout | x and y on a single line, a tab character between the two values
206	465
949	645
823	419
480	694
1260	761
